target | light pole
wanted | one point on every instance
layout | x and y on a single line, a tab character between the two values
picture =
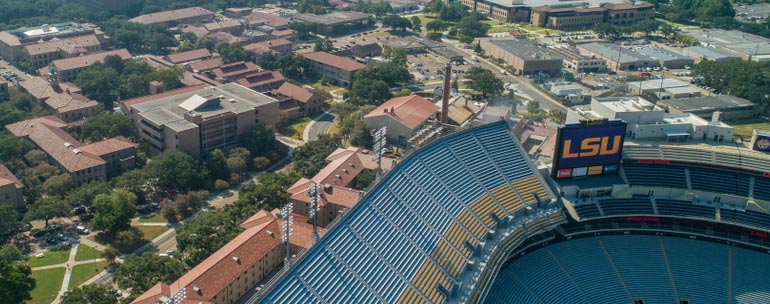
313	212
380	141
286	230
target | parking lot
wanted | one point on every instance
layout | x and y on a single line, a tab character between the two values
430	67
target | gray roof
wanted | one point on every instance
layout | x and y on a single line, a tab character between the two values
332	18
709	52
736	41
524	48
615	52
232	97
661	54
707	103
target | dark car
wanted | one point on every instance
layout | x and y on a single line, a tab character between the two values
52	240
38	233
86	217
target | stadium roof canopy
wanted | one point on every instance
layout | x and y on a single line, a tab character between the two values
440	219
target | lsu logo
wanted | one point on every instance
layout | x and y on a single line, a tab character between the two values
592	146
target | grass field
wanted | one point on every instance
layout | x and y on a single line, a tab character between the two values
51	258
491	22
155	218
381	34
746	127
151	232
501	29
295	129
47	285
85	253
82	273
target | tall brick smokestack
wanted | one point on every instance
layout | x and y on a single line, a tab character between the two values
445	93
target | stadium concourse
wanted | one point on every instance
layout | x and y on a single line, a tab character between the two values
651	222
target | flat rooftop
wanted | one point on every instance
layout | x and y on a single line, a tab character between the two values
661	54
707	103
207	102
568	53
333	17
554	3
524	48
710	52
628	104
736	41
615	52
50	30
660	83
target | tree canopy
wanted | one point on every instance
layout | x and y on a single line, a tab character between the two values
107	124
233	53
744	79
114	212
311	157
140	272
47	208
9	222
91	294
484	81
15	280
175	169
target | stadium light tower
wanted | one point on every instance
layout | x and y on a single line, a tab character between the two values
286	229
380	141
313	212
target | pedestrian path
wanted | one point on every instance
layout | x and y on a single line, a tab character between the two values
69	264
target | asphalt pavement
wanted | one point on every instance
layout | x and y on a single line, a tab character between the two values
319	126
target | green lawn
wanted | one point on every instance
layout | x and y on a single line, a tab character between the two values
746	127
83	272
155	218
502	29
491	22
380	34
151	232
85	253
295	129
47	285
51	258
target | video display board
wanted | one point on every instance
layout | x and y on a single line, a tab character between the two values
760	141
588	148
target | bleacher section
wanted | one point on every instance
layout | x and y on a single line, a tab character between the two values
412	237
620	269
655	175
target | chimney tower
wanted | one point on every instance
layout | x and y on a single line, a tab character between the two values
445	93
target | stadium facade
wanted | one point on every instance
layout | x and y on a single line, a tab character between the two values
469	218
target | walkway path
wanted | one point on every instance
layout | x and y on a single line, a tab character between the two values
70	263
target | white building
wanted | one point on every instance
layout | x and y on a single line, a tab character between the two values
648	121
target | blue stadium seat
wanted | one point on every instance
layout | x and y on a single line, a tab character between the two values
629	206
719	181
655	175
684	208
587	211
762	188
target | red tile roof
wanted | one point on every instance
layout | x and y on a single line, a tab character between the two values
87	60
294	92
108	146
340	171
63	102
267	19
188	56
63	148
340	196
7	178
409	111
623	6
222	25
235	69
206	65
256	80
366	158
334	61
40	89
25	127
172	15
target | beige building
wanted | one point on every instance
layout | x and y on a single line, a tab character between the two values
14	42
72	107
198	121
334	67
41	54
233	270
578	63
570	18
10	189
523	56
628	13
188	15
403	116
504	11
297	101
84	163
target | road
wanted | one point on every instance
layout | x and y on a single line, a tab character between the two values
319	126
522	85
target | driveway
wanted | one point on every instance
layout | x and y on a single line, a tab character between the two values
319	126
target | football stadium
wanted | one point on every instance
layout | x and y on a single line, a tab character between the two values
471	218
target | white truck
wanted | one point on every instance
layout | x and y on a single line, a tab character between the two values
475	58
504	72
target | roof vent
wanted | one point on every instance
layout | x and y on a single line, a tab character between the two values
351	164
270	233
237	260
344	170
68	144
337	175
76	151
197	290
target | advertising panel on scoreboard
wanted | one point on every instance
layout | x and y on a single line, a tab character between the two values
761	141
589	148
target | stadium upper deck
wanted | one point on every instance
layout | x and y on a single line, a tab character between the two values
432	230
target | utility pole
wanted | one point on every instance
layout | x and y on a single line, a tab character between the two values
286	230
313	212
380	141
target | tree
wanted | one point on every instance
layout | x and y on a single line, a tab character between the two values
364	179
35	158
137	182
311	157
236	164
557	116
484	81
174	169
260	141
91	294
221	185
47	208
396	22
12	146
648	26
260	163
667	29
233	53
15	280
114	212
324	45
110	254
416	24
100	83
434	36
368	91
9	222
86	193
58	185
533	107
140	272
477	48
470	27
606	29
217	164
115	62
455	84
436	26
